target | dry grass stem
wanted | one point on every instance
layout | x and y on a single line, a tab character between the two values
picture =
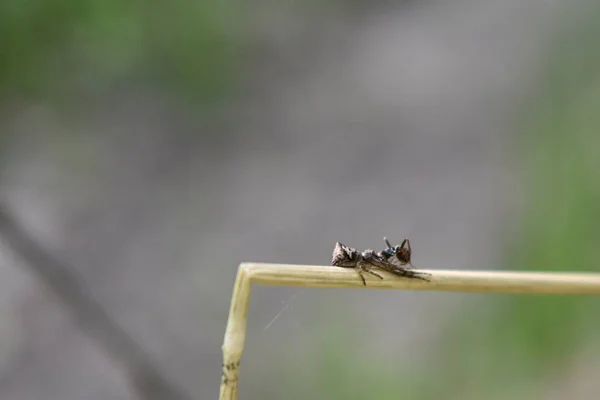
334	277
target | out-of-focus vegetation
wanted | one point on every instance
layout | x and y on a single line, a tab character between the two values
513	346
64	45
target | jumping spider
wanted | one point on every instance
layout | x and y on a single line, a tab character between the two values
392	259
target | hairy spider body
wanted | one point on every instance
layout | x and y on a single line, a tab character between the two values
391	259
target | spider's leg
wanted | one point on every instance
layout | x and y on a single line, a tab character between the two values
411	274
399	270
407	242
362	277
364	266
387	242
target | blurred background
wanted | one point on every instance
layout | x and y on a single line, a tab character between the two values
147	149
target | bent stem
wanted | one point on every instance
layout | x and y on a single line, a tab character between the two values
335	277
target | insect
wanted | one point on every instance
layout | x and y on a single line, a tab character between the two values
392	259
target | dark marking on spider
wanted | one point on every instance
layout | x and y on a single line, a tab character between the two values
392	259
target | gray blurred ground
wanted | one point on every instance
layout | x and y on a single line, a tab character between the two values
394	122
